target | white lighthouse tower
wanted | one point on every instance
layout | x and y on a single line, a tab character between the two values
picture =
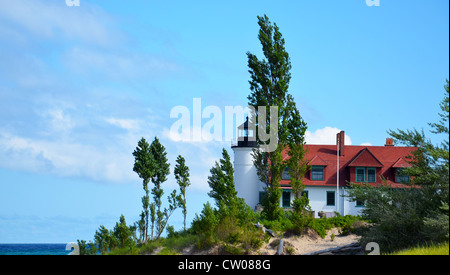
246	179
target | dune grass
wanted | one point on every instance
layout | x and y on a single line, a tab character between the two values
439	249
169	246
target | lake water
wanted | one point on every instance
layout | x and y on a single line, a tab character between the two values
33	249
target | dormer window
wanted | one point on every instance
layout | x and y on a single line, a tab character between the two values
401	177
366	174
317	168
318	173
360	174
366	165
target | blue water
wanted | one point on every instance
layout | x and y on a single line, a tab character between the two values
33	249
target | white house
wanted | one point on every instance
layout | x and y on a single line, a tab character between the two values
326	185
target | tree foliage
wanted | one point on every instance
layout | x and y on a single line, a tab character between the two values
161	171
417	214
269	86
221	182
151	164
144	166
233	219
181	172
123	233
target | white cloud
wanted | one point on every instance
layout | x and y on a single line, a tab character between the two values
366	144
192	135
68	68
65	159
128	124
60	122
326	135
118	64
53	19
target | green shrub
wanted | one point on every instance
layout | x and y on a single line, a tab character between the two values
180	241
400	216
205	226
321	226
280	225
231	225
167	251
228	230
125	251
233	250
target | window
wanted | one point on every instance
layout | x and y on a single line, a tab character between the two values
371	174
286	199
359	203
286	175
360	174
366	174
317	173
401	177
331	198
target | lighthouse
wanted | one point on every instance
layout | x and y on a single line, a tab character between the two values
247	183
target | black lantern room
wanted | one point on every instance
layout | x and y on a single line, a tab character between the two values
246	135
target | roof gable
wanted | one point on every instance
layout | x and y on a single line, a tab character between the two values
365	158
401	163
317	161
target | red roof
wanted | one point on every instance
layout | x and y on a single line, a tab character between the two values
365	158
317	161
384	158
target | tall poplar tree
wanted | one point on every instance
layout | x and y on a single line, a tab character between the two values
181	172
144	166
161	171
269	86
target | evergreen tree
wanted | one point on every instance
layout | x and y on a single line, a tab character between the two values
205	224
123	233
418	214
102	239
181	172
430	163
221	182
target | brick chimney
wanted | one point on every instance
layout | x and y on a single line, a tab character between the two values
389	142
340	139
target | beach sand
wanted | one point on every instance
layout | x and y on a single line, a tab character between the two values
309	242
297	245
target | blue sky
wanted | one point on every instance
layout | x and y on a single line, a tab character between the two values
79	86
